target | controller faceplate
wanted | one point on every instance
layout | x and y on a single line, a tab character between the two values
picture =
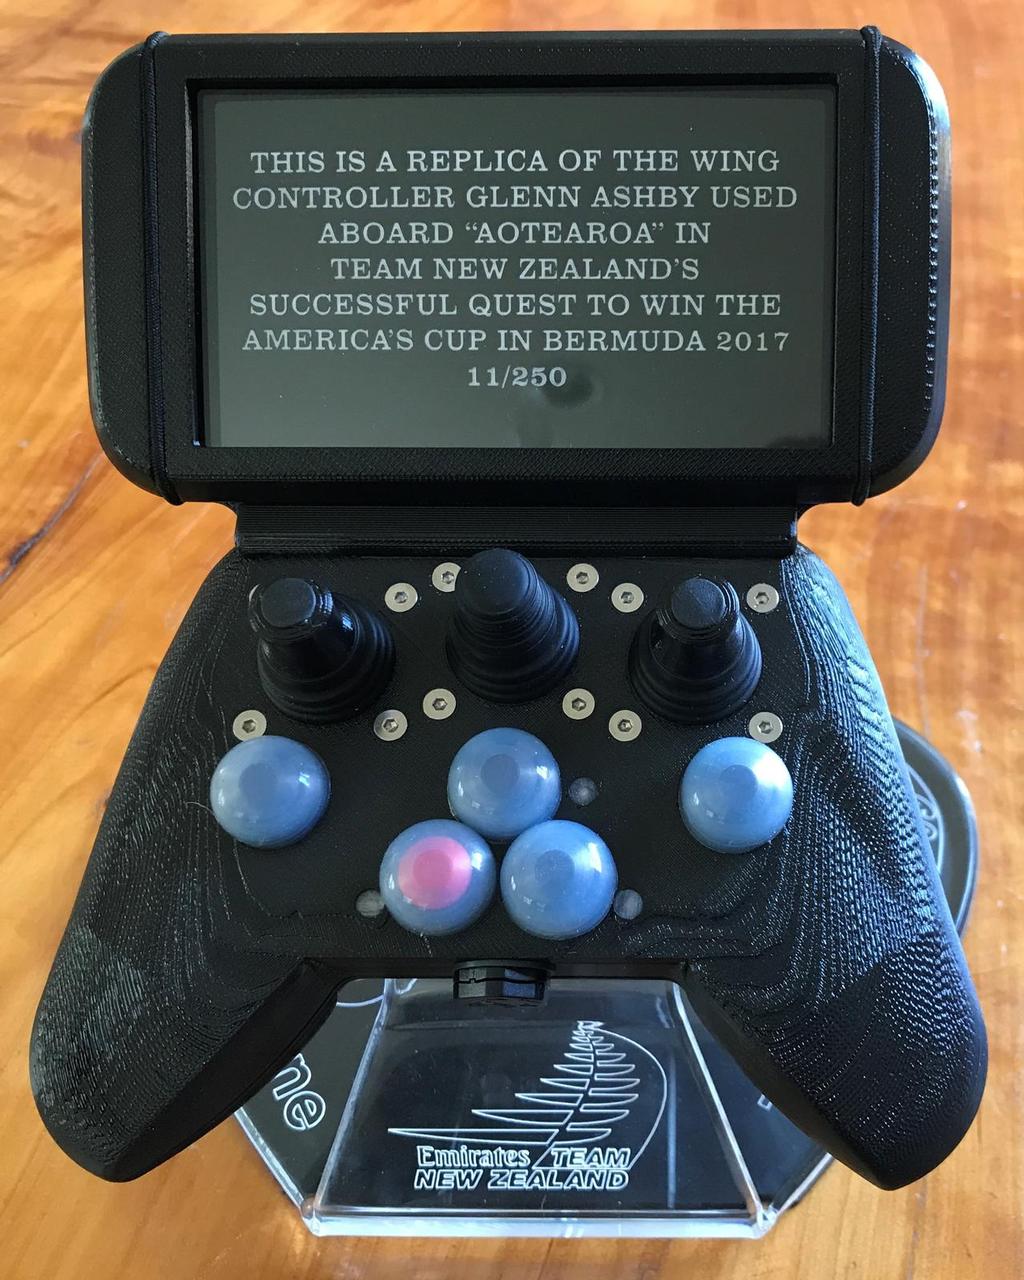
303	902
826	960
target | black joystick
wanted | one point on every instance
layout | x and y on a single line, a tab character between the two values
696	659
513	637
320	657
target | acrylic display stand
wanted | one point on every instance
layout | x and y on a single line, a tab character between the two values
607	1111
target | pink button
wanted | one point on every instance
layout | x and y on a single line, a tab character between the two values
435	872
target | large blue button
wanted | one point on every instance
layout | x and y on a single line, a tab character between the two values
503	781
437	877
558	880
736	794
269	791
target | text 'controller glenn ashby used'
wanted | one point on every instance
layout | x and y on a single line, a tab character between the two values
517	669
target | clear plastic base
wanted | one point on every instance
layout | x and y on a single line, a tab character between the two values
607	1110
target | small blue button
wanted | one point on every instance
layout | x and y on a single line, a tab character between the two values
437	877
558	880
503	781
269	791
736	794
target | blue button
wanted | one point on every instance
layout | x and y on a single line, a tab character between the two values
269	791
503	781
736	794
437	877
558	880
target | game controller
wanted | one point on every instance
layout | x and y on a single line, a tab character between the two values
786	884
504	745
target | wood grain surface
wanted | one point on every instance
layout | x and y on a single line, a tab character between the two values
95	575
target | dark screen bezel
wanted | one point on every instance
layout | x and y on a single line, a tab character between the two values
530	475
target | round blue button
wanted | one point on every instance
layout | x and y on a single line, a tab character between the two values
558	880
736	794
269	791
437	877
503	781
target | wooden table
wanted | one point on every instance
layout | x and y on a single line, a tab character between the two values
95	575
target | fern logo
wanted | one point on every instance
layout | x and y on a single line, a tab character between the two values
583	1129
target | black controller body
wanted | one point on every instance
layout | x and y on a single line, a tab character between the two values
826	961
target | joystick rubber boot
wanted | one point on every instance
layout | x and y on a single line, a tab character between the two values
695	658
513	637
320	657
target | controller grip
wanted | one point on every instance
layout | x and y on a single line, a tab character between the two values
130	1066
887	1074
149	1032
852	1007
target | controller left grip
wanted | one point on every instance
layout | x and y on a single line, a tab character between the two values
150	1030
127	1068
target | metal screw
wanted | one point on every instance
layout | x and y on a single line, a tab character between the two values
439	704
765	726
578	704
369	904
625	725
627	904
762	597
582	577
249	724
444	576
583	791
401	597
627	597
390	725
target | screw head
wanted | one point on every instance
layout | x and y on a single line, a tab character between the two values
400	597
578	704
625	726
249	724
762	597
765	726
444	576
582	577
390	725
439	704
627	597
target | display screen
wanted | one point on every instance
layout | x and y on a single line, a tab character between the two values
543	269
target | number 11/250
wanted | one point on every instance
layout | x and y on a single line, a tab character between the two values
500	379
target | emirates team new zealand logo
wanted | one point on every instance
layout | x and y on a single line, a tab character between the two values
582	1129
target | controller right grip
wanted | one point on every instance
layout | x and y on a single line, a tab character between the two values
850	1004
886	1074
